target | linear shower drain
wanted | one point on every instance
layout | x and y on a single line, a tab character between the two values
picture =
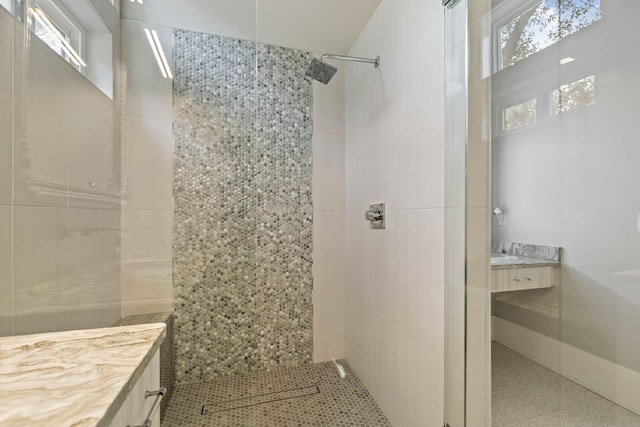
260	399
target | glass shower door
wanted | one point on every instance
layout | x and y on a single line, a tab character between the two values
563	118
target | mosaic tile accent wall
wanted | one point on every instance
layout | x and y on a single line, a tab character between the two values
243	207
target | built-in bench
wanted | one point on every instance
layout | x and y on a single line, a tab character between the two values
167	367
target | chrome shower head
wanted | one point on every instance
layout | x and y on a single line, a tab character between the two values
323	72
320	71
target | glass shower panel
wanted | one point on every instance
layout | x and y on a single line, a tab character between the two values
59	187
455	16
564	119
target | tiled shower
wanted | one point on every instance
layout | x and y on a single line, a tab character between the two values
231	193
236	173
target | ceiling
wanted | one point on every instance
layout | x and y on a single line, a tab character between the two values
321	26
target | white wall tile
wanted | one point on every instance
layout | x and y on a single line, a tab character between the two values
6	279
394	153
368	46
425	98
361	341
328	105
392	267
94	268
425	306
352	252
329	220
147	174
148	93
328	324
425	386
363	256
368	162
393	50
92	138
351	168
147	284
40	269
329	263
391	369
397	164
238	21
425	39
412	146
6	110
41	125
328	172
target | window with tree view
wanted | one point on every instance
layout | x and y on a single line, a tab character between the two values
573	95
542	25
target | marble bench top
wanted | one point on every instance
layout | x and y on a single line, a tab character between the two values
73	378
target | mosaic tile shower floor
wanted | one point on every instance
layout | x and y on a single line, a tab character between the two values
283	397
526	394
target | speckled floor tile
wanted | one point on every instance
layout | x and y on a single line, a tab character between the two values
342	400
526	394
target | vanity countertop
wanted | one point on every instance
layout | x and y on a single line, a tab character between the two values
500	261
521	255
73	378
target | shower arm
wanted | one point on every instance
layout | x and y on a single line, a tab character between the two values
375	61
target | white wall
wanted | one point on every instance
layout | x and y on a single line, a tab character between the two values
395	154
327	26
328	189
147	175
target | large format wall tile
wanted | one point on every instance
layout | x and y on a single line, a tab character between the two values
94	268
328	105
391	369
328	324
92	148
41	123
148	93
6	107
425	383
394	153
147	285
329	263
6	282
148	163
328	171
40	270
243	212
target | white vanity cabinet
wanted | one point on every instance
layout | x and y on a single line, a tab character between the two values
521	278
136	407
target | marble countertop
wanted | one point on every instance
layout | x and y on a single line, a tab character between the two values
521	255
500	261
73	378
